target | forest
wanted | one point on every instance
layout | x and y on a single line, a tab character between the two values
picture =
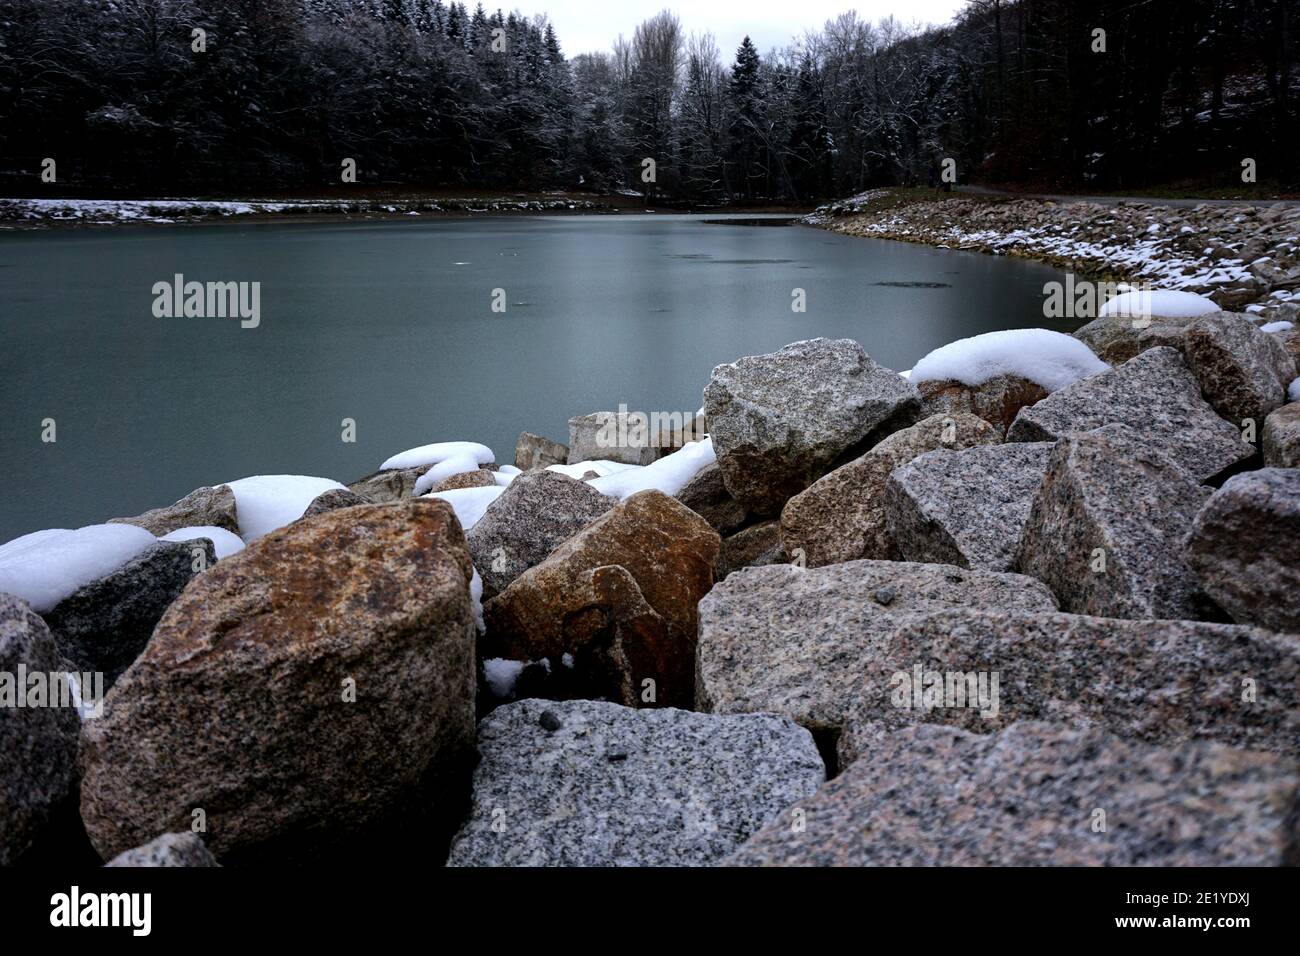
237	96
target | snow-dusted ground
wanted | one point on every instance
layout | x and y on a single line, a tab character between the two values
1243	257
103	211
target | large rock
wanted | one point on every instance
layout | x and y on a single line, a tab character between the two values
392	484
477	478
587	783
620	596
1116	339
752	547
706	494
1106	528
1280	441
841	516
297	691
38	743
535	513
996	401
612	436
533	452
781	421
104	625
1041	795
201	508
965	507
1162	682
334	499
1243	372
170	849
1245	548
1157	395
797	642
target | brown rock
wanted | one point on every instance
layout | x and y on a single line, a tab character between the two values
841	516
240	707
533	452
753	547
620	596
333	500
1280	441
997	401
707	496
478	478
391	485
202	507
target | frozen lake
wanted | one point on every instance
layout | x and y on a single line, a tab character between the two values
391	324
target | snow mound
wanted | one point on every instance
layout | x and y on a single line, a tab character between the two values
45	567
1282	326
1050	359
266	502
669	474
469	503
600	466
225	542
1292	394
1146	303
501	675
438	452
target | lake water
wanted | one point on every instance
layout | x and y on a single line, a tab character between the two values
391	324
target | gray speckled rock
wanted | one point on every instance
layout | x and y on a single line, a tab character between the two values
1243	372
394	484
201	508
965	507
296	692
841	516
170	849
533	452
1163	682
753	547
796	641
334	499
1029	796
535	513
612	436
707	496
38	745
780	421
1157	395
588	783
1106	529
104	625
1280	440
1245	548
1116	339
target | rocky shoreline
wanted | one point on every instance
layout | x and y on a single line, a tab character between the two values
1033	611
1245	258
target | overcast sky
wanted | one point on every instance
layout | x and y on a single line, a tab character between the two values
588	25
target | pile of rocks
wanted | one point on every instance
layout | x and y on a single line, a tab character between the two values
885	626
1237	255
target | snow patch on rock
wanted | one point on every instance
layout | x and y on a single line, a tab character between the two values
45	567
1052	360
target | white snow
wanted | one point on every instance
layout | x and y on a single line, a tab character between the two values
225	542
1148	303
501	675
600	466
45	567
1282	326
455	465
504	477
476	600
266	502
1292	394
669	474
438	452
1050	359
469	503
